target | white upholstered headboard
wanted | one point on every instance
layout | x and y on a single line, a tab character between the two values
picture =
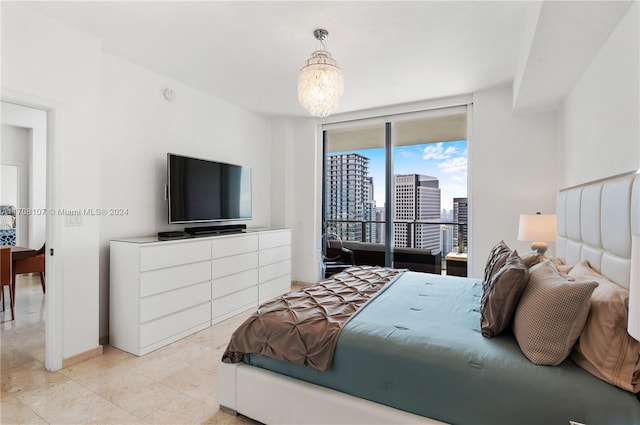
596	221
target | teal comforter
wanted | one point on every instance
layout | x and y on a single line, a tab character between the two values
418	348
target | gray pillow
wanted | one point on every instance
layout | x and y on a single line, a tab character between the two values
497	257
551	314
501	298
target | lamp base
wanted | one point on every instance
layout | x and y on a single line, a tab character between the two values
539	247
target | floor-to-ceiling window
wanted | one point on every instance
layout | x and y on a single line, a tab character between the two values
400	182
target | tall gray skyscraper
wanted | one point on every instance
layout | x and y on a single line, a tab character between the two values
460	215
417	198
349	196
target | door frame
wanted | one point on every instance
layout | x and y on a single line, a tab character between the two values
53	314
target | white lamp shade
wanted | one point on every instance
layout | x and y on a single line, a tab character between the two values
537	227
634	289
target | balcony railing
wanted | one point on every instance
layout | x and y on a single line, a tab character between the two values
410	229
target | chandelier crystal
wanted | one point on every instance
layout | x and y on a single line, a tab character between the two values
320	83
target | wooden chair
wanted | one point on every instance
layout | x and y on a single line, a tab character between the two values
33	264
6	277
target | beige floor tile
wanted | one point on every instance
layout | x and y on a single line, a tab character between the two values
174	385
26	380
195	382
157	365
182	411
112	360
223	418
14	412
142	401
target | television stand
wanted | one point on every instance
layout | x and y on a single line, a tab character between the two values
216	230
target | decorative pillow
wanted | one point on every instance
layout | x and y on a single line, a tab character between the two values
532	259
551	314
561	266
604	348
497	257
7	222
501	298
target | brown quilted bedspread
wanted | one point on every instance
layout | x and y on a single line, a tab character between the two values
303	327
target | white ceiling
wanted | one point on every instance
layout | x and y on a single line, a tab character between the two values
249	53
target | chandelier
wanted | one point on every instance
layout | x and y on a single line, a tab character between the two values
320	83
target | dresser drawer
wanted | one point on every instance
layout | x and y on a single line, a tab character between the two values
169	302
232	245
174	324
233	283
274	288
174	254
238	301
274	255
230	265
273	239
272	271
162	280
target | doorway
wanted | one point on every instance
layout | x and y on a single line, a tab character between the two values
28	139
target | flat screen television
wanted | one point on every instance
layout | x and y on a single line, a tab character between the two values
201	191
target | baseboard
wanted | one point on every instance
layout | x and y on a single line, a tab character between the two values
78	358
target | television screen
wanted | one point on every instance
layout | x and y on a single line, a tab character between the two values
202	190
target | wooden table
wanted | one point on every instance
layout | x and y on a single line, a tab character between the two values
18	253
457	264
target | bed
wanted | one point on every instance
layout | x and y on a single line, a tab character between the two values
7	225
415	352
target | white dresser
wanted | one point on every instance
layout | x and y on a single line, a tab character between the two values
161	291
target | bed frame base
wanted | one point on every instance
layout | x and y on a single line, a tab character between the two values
272	398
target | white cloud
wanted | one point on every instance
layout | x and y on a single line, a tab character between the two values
436	151
454	165
404	153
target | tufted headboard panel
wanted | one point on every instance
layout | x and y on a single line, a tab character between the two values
596	221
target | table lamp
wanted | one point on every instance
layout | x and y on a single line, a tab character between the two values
538	229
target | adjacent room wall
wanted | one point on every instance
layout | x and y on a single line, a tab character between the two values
35	121
14	152
599	121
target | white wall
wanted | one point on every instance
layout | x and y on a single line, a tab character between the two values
512	172
14	152
43	58
117	131
139	127
599	121
35	121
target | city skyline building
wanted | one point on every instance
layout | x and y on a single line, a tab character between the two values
461	215
351	209
349	196
417	198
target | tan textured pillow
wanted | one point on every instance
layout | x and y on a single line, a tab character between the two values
604	348
501	298
551	314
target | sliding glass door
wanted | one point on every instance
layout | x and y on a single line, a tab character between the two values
396	185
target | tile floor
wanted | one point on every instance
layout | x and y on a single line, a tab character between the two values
176	384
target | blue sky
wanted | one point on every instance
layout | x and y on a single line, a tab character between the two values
447	161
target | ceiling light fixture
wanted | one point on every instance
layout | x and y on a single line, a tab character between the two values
320	83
